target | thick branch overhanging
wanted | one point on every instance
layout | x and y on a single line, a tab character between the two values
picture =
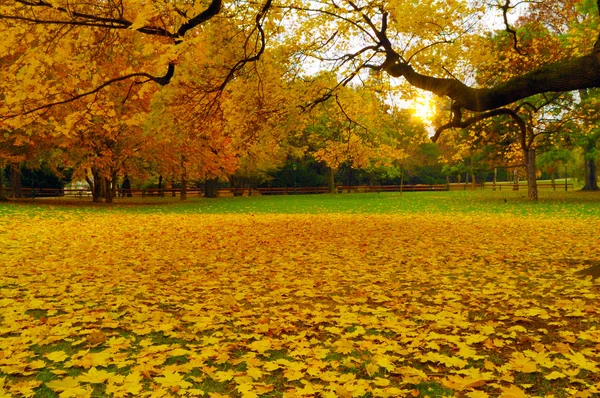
574	74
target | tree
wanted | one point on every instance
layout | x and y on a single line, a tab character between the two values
412	48
587	135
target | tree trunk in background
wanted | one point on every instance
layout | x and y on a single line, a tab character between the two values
126	187
108	193
161	192
532	191
3	197
210	188
111	187
401	181
15	180
102	184
183	194
94	185
330	180
473	181
591	176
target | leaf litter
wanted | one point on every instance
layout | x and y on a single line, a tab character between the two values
298	305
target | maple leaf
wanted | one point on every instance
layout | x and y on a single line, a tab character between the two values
477	394
344	346
224	375
512	392
554	375
69	387
254	372
386	363
582	362
57	356
260	346
371	369
172	379
94	375
521	363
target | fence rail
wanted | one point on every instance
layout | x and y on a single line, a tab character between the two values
155	192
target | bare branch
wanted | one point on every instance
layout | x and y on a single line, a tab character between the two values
457	121
511	31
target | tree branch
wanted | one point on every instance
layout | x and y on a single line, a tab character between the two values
457	121
86	94
567	75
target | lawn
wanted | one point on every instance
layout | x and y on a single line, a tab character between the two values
470	294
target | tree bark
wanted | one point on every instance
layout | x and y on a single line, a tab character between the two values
331	180
210	188
108	196
591	176
567	75
473	181
15	180
3	197
532	191
111	187
401	181
183	194
95	184
161	191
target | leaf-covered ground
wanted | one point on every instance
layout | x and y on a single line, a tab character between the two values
298	305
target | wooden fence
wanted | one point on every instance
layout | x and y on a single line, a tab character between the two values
155	192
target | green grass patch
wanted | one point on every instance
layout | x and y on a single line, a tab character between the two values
573	203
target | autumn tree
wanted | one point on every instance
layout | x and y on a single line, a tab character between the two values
433	46
410	47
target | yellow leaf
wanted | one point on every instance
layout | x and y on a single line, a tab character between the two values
94	376
513	392
477	394
254	372
260	346
69	387
344	346
57	356
172	379
554	375
224	375
371	369
521	363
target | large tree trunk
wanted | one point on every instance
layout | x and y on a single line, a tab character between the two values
15	180
331	180
111	187
210	188
108	192
532	191
473	181
591	176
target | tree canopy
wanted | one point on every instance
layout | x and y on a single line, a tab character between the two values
238	78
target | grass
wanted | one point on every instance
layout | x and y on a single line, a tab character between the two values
483	202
